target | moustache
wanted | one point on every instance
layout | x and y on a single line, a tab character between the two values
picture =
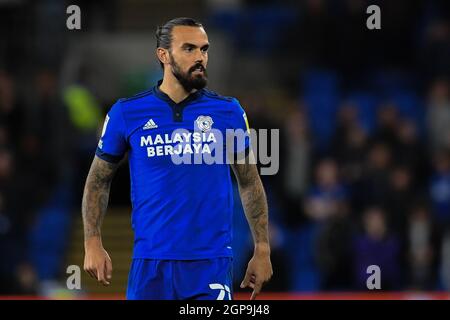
198	66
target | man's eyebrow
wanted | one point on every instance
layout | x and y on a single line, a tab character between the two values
191	45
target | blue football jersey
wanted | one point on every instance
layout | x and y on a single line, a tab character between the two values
180	210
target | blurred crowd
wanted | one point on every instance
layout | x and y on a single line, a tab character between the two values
43	158
364	122
369	197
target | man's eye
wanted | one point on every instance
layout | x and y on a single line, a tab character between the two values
189	49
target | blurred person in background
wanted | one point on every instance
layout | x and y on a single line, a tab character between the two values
423	249
438	115
327	195
398	205
388	119
439	192
411	152
439	189
347	119
50	129
325	209
444	268
328	206
349	146
374	184
399	194
376	245
82	119
296	164
334	254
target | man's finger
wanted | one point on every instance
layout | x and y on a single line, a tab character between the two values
109	269
256	290
90	273
246	280
101	274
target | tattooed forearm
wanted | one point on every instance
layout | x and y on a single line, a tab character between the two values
253	200
96	195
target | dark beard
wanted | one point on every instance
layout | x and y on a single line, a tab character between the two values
187	81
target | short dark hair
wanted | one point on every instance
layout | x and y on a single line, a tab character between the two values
164	32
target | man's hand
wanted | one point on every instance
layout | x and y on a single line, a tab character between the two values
254	202
95	201
259	271
97	262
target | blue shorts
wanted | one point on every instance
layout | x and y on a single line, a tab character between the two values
209	279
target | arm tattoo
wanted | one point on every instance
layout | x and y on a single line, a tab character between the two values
96	195
253	200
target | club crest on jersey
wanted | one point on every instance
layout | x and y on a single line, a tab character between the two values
204	123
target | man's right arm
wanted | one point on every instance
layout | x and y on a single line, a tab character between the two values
97	262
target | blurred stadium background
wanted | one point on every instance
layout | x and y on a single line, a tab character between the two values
364	118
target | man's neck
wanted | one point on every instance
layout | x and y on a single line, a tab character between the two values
173	88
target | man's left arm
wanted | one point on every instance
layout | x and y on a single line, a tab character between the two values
254	202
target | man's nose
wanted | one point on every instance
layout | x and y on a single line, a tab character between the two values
199	56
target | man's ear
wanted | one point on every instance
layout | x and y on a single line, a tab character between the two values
163	55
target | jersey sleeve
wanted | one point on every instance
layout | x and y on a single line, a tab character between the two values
239	123
113	143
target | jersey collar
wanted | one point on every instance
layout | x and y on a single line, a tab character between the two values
177	108
192	97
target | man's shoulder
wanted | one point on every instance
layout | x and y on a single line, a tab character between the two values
136	103
137	97
214	95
